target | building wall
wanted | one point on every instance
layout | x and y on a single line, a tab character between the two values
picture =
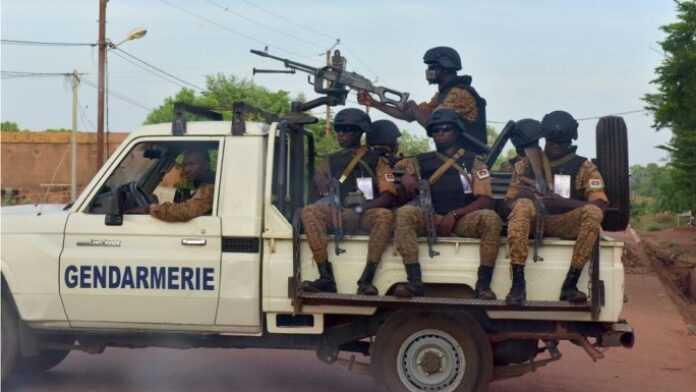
35	166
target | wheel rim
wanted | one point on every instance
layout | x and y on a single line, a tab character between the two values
431	360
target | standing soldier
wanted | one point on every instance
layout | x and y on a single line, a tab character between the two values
578	192
454	92
359	171
460	186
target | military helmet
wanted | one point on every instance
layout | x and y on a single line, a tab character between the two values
383	133
527	133
444	116
352	118
560	127
444	56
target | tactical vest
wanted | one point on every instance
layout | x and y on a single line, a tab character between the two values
479	125
448	192
568	165
366	167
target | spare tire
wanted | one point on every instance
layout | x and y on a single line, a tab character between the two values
612	161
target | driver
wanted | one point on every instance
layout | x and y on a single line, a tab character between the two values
195	168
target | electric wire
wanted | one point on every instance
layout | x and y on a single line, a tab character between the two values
17	42
160	70
118	95
150	71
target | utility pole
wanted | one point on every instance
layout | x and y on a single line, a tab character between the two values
100	84
327	129
75	78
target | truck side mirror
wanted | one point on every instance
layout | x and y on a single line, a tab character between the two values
114	213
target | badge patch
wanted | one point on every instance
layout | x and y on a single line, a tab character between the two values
596	183
389	177
483	173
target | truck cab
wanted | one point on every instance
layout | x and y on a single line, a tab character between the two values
97	273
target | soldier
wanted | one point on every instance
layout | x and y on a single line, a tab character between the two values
454	92
195	168
576	205
384	139
358	169
461	196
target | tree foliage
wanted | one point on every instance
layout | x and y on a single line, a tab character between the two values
673	105
9	126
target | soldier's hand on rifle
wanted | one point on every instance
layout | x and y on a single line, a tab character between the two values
364	98
446	225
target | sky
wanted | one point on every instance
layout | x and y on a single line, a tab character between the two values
527	58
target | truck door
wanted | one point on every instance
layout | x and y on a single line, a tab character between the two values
144	270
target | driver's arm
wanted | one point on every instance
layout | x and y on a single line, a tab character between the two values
199	204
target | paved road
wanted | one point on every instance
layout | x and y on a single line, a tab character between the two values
664	359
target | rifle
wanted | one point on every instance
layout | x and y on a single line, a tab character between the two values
425	202
339	79
534	155
500	143
336	214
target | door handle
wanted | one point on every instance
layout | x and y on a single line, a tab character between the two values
194	241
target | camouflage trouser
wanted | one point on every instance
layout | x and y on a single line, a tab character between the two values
317	218
581	224
483	224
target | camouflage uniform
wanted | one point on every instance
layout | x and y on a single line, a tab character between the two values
582	224
484	224
317	217
200	203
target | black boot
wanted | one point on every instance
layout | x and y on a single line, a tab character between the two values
365	286
569	291
483	283
518	291
326	281
414	287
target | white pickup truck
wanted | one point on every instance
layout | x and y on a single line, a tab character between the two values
89	276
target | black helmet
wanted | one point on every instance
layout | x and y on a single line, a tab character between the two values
560	127
444	56
354	119
444	116
383	133
527	133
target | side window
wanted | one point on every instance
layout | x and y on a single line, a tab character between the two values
158	172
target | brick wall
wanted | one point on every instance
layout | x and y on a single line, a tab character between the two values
35	166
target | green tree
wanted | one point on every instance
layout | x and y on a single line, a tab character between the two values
9	126
673	106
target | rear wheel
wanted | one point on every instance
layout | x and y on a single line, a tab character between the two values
46	360
9	329
432	352
612	161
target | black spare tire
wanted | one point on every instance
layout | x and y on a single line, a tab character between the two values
612	161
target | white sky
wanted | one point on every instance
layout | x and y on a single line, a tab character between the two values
527	58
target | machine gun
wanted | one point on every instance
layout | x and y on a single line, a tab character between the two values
336	214
425	202
339	80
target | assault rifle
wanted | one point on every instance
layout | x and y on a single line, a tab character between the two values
336	214
338	80
425	202
534	155
500	143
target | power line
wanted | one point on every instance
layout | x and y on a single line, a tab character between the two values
44	43
612	114
160	71
229	29
118	95
254	21
26	74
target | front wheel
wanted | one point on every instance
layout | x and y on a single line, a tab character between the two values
432	352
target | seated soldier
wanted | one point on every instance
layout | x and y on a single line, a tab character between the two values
576	204
359	171
195	168
461	196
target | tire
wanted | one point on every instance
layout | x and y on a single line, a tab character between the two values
46	360
455	350
9	329
612	161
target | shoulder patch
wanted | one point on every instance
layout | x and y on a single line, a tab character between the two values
389	177
596	183
483	173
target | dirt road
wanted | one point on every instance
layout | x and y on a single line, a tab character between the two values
664	359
